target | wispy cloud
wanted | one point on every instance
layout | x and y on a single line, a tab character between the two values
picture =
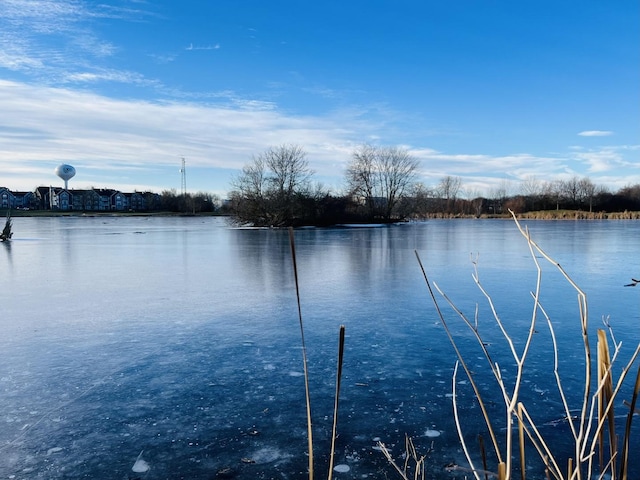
163	58
202	47
595	133
488	170
607	159
54	40
99	75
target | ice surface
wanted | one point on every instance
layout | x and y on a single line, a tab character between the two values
185	342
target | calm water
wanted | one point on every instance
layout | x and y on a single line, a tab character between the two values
179	338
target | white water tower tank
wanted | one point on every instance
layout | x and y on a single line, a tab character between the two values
66	173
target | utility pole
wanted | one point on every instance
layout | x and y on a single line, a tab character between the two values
183	183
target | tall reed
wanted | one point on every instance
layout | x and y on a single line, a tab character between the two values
341	342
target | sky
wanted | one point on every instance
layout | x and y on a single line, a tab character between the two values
496	92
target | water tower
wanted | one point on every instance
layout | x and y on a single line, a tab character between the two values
66	173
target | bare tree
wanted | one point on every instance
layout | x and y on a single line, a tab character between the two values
631	191
448	190
500	194
361	177
422	200
475	201
397	174
289	170
267	191
381	177
504	189
530	186
587	191
248	198
554	190
571	189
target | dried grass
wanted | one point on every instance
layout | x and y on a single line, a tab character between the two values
594	433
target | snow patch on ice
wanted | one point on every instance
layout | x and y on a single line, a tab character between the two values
140	466
269	455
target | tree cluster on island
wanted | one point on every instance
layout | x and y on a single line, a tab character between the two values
381	186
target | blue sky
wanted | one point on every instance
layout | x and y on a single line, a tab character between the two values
495	92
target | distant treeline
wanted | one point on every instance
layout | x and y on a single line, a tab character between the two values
200	202
381	186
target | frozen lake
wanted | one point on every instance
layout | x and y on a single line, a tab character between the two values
179	338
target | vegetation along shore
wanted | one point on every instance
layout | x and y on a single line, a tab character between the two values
381	185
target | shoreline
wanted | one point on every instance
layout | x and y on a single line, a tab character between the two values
545	215
536	215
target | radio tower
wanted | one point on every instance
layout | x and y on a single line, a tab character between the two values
183	176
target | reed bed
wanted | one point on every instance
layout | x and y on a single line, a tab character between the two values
601	446
598	451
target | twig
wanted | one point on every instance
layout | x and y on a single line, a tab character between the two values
457	421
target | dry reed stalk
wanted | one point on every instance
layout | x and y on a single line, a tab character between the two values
407	441
385	451
337	397
483	454
457	422
605	395
600	421
521	441
304	354
410	454
544	451
627	429
485	414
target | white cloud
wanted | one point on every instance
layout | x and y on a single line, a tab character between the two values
163	59
120	76
595	133
204	47
53	125
607	159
